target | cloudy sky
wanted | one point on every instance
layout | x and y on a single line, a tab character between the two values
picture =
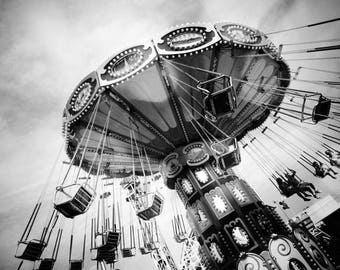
47	47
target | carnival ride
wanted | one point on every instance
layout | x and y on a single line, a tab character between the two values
185	105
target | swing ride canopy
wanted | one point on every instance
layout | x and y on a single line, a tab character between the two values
177	101
153	96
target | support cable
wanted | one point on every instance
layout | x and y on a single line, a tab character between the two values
258	163
93	115
304	26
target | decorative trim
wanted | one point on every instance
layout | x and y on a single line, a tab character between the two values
238	192
82	98
310	247
215	249
242	36
200	216
229	229
132	61
251	261
196	154
187	40
218	202
171	166
285	254
199	173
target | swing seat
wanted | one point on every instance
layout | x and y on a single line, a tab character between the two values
111	240
321	110
128	252
180	238
227	153
144	250
106	255
106	251
76	265
221	100
103	254
46	264
149	205
30	250
73	200
151	246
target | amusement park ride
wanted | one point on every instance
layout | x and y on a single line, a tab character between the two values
183	105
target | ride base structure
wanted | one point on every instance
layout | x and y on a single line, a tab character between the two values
233	226
178	105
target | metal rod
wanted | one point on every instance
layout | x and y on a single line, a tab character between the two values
31	221
70	251
57	251
20	264
43	235
303	26
84	243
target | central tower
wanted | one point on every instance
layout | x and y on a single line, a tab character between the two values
226	214
233	226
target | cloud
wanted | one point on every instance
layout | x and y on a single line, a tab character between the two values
48	46
51	38
278	12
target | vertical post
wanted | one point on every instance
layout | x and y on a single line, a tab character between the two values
30	223
102	265
70	251
123	238
92	232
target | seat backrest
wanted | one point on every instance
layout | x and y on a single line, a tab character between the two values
73	200
321	110
144	250
31	250
46	264
226	153
221	97
76	264
112	239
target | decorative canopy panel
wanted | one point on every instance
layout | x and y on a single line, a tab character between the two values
151	94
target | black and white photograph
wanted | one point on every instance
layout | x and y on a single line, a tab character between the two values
170	135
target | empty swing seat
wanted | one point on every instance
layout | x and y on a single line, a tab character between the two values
227	153
321	110
73	200
180	238
30	250
46	264
112	239
76	265
221	100
149	205
151	246
107	240
128	252
144	250
104	254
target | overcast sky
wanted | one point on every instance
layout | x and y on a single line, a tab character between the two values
47	47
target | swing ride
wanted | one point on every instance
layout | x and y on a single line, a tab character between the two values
186	105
